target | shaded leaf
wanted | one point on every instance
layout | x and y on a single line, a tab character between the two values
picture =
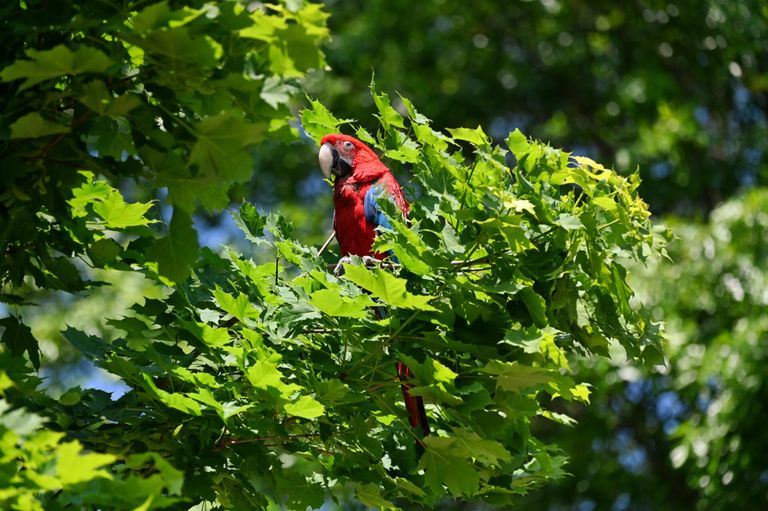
58	61
33	125
176	252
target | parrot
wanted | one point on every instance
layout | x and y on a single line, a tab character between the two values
360	180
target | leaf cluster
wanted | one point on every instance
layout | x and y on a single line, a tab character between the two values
684	437
173	95
273	382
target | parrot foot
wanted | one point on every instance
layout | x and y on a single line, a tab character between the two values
339	269
368	261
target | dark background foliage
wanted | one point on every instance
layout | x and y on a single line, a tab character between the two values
676	87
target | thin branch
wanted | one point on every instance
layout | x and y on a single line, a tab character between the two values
319	331
459	264
327	242
225	443
56	141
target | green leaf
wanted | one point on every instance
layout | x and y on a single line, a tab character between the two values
109	204
185	189
33	125
476	137
306	407
388	116
430	370
173	399
518	144
450	239
328	301
512	376
293	37
569	222
90	191
386	287
91	346
220	147
5	382
442	466
318	121
516	238
581	392
178	48
173	479
73	466
536	306
65	274
239	307
58	61
250	221
370	495
111	137
176	252
19	339
96	97
215	336
604	202
406	151
103	252
276	92
331	391
412	113
482	449
160	15
407	243
408	486
265	374
118	214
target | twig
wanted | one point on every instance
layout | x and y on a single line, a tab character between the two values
327	242
43	154
223	444
389	265
319	331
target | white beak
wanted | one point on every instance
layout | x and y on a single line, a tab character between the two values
325	157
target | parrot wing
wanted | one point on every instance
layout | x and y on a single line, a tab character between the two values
373	214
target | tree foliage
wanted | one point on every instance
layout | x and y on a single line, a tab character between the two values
173	95
272	382
685	437
261	379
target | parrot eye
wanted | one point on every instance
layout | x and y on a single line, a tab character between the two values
348	145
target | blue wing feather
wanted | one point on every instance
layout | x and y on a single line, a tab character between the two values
374	215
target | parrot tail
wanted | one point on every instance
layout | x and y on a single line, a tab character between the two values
417	416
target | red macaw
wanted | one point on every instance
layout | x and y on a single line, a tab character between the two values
360	180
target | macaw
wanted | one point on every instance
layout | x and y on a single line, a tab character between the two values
360	180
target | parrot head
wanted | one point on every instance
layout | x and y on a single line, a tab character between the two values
342	156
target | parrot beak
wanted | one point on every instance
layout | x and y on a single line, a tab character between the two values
332	163
326	158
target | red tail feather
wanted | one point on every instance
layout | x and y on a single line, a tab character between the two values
417	415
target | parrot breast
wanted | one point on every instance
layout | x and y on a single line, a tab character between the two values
354	233
354	229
